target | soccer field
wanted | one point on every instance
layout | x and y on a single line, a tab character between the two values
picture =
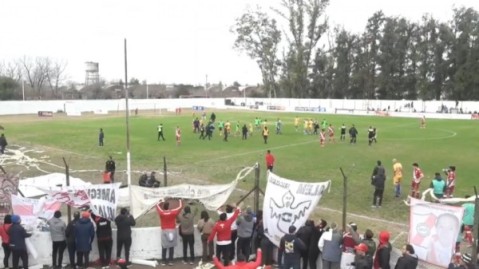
44	141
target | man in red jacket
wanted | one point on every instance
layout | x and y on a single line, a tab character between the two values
269	160
222	231
169	236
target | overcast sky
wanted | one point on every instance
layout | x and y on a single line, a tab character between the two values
169	41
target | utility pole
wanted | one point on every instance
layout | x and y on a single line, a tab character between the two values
127	116
345	199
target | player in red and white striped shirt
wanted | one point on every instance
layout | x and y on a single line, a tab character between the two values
451	181
331	134
417	176
322	137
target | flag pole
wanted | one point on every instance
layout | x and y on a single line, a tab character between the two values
128	161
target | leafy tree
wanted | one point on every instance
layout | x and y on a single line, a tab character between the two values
258	37
305	30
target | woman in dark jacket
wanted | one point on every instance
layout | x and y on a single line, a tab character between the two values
84	234
17	242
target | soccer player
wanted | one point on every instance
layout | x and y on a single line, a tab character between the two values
451	181
322	137
423	122
331	134
417	176
343	133
397	177
296	123
178	135
370	135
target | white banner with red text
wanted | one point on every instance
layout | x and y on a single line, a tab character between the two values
101	198
289	203
29	209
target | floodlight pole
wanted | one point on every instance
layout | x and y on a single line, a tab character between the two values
345	200
165	173
67	174
128	162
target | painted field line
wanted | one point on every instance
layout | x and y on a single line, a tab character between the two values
366	217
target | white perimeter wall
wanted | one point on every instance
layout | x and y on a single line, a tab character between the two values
330	106
146	245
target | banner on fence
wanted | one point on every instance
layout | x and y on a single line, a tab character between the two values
433	230
29	209
101	198
287	203
212	197
8	187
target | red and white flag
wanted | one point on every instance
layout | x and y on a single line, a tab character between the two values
30	209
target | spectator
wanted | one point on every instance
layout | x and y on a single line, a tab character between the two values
368	240
57	232
3	143
330	247
291	247
70	238
187	233
241	262
222	231
245	224
104	240
18	234
362	260
169	236
408	260
110	167
305	233
383	252
205	226
4	230
84	235
313	245
124	221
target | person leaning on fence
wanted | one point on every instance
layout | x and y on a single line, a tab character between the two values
84	235
222	232
57	232
245	224
124	221
104	240
70	238
18	234
169	235
187	233
205	226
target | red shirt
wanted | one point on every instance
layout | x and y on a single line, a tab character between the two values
269	159
168	217
417	174
451	178
222	230
4	233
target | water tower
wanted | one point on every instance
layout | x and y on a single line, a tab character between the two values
92	73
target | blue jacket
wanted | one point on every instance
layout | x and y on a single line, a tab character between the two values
84	234
17	237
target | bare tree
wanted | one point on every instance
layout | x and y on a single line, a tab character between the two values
56	76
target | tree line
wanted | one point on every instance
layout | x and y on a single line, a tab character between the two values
393	58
